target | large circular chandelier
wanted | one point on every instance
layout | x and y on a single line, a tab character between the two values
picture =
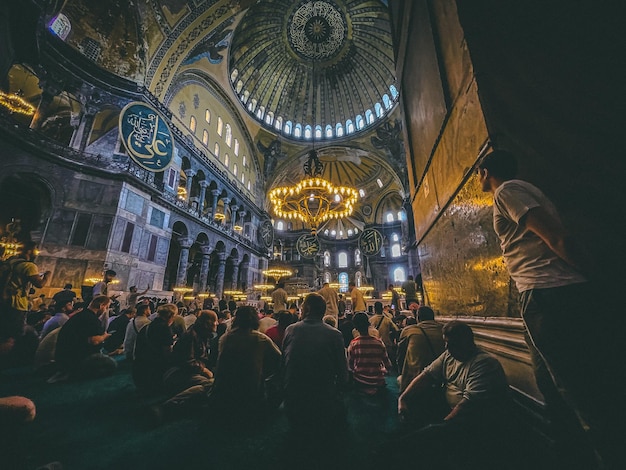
313	200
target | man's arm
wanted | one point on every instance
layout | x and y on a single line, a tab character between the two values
38	280
98	339
552	232
419	383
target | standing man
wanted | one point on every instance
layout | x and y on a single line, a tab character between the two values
102	287
279	298
131	300
548	268
358	302
315	370
331	298
23	274
410	290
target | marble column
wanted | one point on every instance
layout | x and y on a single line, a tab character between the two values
233	217
181	276
221	269
190	174
245	275
235	277
226	202
204	267
215	193
203	186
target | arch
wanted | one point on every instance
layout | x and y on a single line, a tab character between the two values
369	116
394	91
378	109
298	130
278	123
207	116
386	101
339	130
349	126
327	258
308	133
399	275
229	135
205	138
342	259
288	127
192	124
359	122
328	132
216	149
220	126
318	132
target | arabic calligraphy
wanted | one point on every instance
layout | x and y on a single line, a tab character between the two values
266	232
370	242
308	246
146	137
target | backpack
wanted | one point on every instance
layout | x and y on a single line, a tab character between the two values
9	286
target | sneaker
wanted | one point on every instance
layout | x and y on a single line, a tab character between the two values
58	377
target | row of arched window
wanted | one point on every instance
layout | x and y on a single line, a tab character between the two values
301	131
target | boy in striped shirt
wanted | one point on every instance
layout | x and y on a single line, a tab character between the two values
367	358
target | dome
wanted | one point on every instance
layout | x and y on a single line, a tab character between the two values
314	69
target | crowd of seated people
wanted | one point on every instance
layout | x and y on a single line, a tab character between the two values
243	363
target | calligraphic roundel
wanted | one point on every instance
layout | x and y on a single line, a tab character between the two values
308	246
146	136
266	234
370	242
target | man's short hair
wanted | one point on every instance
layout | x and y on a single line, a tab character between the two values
143	310
352	284
330	320
167	311
314	306
500	164
378	307
361	322
98	301
410	278
67	286
425	313
205	318
110	272
246	318
458	331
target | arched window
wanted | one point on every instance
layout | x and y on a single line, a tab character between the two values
395	237
207	116
279	225
339	129
318	132
237	148
369	116
260	112
244	161
394	91
298	131
379	182
288	127
349	127
386	101
401	215
329	131
358	279
233	75
357	253
229	135
249	186
395	250
192	124
269	118
226	160
307	132
378	109
243	178
399	275
389	217
278	123
326	276
205	137
216	149
362	192
239	86
359	122
235	169
342	259
220	126
246	95
326	258
343	282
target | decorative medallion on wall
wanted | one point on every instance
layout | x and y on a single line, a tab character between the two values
308	246
367	210
370	242
266	234
146	136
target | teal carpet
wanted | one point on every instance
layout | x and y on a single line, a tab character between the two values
102	424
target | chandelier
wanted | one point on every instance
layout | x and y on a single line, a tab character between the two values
278	272
314	200
16	104
9	244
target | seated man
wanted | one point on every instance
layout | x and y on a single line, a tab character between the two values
475	410
367	358
153	349
117	330
79	342
133	328
420	344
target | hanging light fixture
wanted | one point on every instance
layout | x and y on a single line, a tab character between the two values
16	104
313	200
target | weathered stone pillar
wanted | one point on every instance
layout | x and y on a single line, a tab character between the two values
215	193
204	267
203	186
233	217
221	269
235	277
183	261
190	174
245	275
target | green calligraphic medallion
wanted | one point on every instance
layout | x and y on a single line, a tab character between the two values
370	242
146	136
266	234
308	246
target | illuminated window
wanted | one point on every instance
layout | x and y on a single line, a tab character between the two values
359	122
318	132
349	127
326	258
229	135
327	277
389	217
394	91
237	149
399	275
260	112
395	250
329	131
278	123
288	127
220	126
279	225
246	95
244	161
269	118
386	101
235	169
298	131
395	237
400	215
357	254
239	86
379	110
369	116
226	160
233	75
308	132
205	137
216	149
207	116
192	124
343	282
339	129
243	177
362	192
249	186
379	182
342	259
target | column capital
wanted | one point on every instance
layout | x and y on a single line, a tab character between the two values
215	192
185	242
190	173
206	250
227	200
204	184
